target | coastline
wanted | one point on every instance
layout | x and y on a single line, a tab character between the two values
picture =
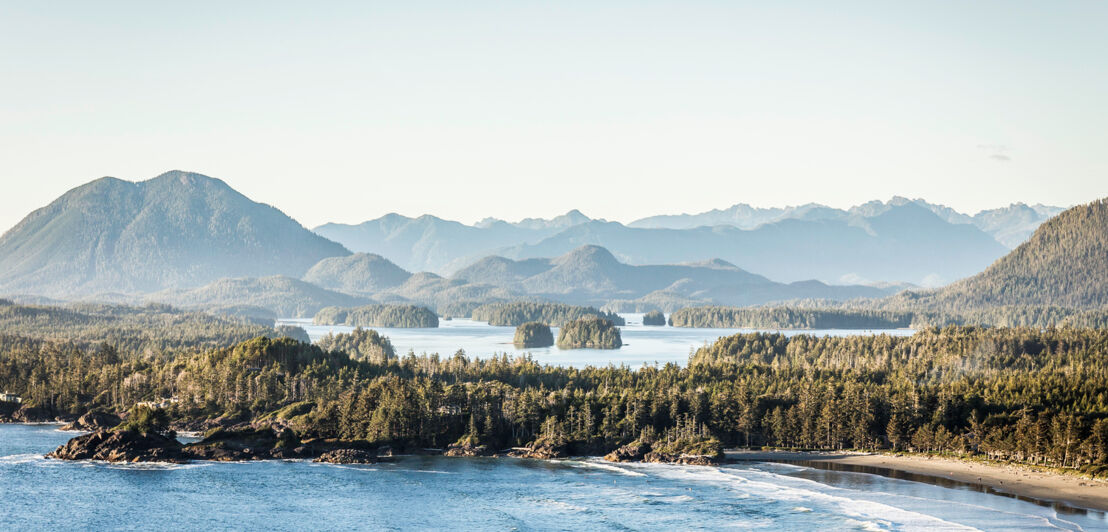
1023	482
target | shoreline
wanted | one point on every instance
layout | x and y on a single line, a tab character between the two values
1061	491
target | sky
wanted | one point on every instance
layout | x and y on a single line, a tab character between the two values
343	112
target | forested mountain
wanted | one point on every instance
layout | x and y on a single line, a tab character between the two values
360	273
1010	225
285	296
1065	264
592	275
178	230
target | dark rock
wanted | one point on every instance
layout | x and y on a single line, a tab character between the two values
348	456
93	421
632	452
121	446
235	444
467	449
32	414
542	450
684	459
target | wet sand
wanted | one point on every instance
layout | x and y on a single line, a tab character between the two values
1014	480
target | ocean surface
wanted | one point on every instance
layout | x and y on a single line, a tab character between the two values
433	493
642	345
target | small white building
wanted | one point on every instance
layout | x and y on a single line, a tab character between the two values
10	398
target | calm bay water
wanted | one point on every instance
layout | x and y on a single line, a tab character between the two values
642	345
481	494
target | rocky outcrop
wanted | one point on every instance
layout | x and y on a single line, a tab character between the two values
541	450
32	414
348	456
244	443
632	452
684	459
467	449
93	421
121	446
644	452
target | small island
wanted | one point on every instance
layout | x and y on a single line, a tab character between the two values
654	318
593	332
533	334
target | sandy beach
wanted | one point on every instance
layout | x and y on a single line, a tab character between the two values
1019	481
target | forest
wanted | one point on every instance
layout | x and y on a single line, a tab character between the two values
516	313
393	316
861	315
1031	395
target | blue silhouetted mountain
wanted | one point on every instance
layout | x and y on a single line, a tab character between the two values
178	230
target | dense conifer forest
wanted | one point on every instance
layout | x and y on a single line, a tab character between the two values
1032	395
554	314
406	316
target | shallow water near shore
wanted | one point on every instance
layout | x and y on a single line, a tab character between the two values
642	344
428	492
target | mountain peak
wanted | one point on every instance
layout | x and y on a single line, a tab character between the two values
177	230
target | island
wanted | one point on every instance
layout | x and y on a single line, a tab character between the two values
533	334
592	332
654	318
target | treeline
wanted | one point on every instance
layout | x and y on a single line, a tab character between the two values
361	344
1031	395
516	313
393	316
788	318
153	327
861	315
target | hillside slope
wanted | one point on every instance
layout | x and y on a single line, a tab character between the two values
1065	264
360	273
177	230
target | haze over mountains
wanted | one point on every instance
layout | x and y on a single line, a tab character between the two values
1009	225
191	240
905	242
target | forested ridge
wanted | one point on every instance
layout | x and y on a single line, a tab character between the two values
1033	395
516	313
151	327
385	315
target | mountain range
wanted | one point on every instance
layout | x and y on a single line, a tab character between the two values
191	240
1009	225
898	243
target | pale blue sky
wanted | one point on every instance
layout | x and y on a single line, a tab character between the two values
346	111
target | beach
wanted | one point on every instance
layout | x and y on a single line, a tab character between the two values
1015	480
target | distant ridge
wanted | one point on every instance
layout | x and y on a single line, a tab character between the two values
1009	225
593	275
905	242
177	230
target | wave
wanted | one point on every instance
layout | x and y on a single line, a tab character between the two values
22	458
776	487
599	463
